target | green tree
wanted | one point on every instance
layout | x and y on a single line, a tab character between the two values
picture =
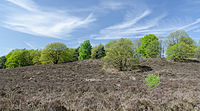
3	62
18	58
146	40
85	50
179	52
189	41
70	55
137	44
120	55
110	43
197	52
174	37
75	54
35	55
153	49
98	52
55	53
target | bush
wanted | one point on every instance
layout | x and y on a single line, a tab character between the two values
98	52
120	55
152	80
85	50
179	52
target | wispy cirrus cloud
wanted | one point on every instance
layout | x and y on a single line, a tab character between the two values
29	45
26	4
50	23
130	23
130	27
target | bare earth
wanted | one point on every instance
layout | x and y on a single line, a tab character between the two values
85	86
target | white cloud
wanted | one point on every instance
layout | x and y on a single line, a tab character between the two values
30	45
130	23
113	5
26	4
191	24
35	21
131	28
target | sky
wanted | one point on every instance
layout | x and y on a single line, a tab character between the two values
32	24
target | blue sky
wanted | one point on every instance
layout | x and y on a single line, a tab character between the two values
32	24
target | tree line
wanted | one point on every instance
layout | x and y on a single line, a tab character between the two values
122	54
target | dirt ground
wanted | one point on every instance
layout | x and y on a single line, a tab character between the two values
85	86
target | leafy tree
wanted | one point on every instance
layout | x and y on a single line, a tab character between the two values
174	37
71	52
153	49
18	58
98	52
120	55
85	50
2	62
162	48
35	55
146	40
110	43
55	53
197	52
137	44
189	41
75	54
179	52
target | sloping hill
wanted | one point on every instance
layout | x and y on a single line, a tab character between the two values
84	85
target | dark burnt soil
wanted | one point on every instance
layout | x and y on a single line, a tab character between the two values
85	86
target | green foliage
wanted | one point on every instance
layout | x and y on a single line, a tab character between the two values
3	62
55	53
174	37
110	43
137	44
75	54
152	80
98	52
85	50
120	55
197	52
153	49
179	52
18	58
189	41
146	40
35	55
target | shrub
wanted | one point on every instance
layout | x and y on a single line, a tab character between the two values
85	50
152	80
98	52
120	55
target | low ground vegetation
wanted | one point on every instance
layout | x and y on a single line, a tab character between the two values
84	85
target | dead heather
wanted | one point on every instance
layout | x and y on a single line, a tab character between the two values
85	86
